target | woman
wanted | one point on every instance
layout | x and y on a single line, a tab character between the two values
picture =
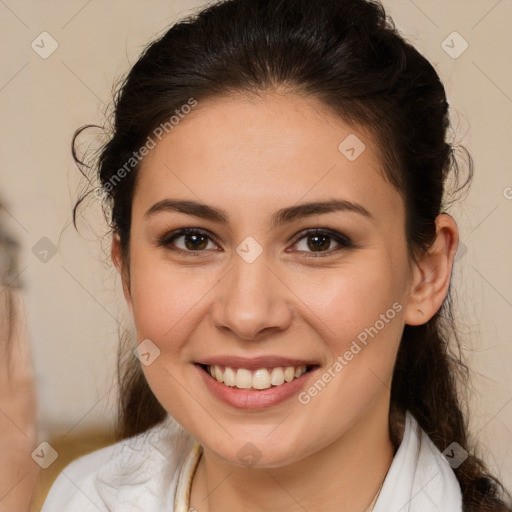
276	177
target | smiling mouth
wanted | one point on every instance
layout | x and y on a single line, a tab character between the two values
260	379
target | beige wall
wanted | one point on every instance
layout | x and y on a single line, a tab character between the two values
74	301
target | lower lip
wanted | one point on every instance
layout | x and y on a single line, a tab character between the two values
253	399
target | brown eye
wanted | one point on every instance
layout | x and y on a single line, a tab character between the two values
320	241
193	241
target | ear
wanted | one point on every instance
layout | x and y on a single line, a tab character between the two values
432	273
116	254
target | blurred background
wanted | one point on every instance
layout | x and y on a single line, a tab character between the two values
60	60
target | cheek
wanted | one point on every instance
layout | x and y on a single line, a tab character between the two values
344	301
163	297
358	314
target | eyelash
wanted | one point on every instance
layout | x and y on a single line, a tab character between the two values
343	240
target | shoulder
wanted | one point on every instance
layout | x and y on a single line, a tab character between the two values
74	487
130	475
435	476
419	478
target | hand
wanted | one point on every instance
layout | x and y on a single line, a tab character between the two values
18	406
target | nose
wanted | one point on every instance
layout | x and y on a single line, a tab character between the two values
252	301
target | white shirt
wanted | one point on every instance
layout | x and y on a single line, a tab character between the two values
140	474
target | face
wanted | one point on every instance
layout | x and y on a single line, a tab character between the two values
261	283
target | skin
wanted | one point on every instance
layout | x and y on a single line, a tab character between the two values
252	156
18	408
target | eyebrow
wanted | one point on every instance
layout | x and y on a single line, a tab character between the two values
283	216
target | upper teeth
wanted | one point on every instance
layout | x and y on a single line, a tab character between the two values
262	378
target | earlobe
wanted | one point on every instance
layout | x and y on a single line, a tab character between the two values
432	273
117	259
115	251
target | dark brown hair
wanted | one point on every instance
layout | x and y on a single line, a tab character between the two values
349	55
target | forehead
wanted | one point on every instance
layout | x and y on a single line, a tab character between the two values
265	151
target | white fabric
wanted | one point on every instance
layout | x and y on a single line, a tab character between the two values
140	475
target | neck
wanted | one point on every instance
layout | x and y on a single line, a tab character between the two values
344	476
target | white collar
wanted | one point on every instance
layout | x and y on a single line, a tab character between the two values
143	473
419	478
